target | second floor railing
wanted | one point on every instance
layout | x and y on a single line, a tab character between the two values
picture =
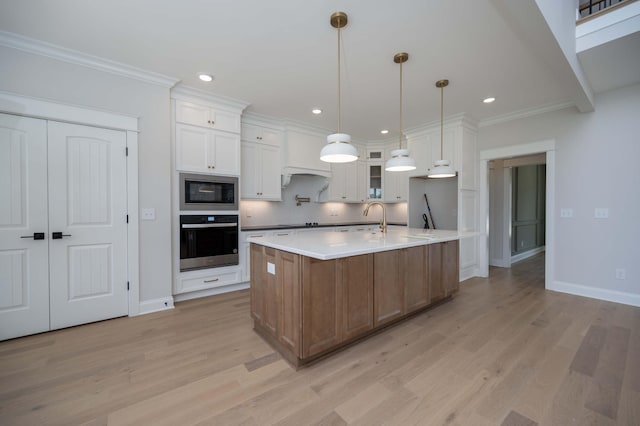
590	7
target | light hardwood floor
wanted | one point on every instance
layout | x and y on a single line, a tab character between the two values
505	351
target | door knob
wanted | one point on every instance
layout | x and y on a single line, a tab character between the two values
35	236
58	235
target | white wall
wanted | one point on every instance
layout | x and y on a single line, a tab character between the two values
42	77
596	166
255	213
443	202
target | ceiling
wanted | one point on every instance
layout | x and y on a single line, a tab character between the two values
281	56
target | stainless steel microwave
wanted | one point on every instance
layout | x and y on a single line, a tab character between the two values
208	192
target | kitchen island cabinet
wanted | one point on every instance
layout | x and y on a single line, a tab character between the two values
306	306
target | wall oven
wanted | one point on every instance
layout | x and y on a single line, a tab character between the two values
208	241
208	192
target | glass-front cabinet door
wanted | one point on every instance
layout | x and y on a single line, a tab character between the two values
375	175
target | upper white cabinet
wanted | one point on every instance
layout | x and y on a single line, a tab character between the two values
396	184
207	151
206	116
344	185
260	172
302	148
261	164
260	134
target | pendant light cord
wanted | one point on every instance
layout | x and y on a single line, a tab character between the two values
339	111
441	122
400	137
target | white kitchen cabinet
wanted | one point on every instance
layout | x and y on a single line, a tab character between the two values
260	134
245	247
206	281
207	151
396	184
344	185
260	172
208	117
425	148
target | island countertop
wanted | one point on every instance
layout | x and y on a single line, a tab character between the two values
333	245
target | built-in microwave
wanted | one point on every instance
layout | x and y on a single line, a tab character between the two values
208	192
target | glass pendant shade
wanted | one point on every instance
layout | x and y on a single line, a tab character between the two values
441	169
400	161
338	149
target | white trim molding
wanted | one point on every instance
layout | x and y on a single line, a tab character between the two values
156	305
75	114
545	146
191	94
526	254
38	47
524	113
210	292
632	299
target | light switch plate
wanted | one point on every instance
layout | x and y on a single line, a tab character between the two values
566	213
148	214
601	213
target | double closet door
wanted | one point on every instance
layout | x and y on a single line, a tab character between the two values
63	225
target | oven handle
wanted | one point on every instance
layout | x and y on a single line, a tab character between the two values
209	225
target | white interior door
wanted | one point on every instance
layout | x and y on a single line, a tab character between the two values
24	272
88	207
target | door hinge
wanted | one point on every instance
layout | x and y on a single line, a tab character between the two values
127	218
127	285
126	151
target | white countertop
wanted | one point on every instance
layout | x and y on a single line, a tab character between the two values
333	245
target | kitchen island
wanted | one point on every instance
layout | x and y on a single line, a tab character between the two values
314	293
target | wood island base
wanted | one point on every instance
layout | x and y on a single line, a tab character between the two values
308	308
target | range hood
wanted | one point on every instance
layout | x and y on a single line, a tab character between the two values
287	172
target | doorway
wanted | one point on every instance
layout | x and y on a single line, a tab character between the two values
546	148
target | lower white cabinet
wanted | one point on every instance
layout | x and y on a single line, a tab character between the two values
212	279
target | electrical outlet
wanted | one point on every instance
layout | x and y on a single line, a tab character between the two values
621	274
601	213
566	213
148	214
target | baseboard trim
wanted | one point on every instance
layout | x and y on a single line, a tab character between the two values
526	254
155	305
210	292
500	263
596	293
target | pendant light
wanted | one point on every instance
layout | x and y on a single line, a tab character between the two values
400	160
442	168
338	148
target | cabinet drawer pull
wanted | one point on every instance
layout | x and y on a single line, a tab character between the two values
212	280
282	235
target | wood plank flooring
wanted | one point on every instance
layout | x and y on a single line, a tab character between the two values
504	352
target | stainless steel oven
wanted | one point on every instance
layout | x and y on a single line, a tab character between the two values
208	241
208	192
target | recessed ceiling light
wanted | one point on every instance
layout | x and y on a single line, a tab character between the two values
205	77
488	100
316	111
384	132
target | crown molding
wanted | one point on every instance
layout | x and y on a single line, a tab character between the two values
457	120
38	47
191	94
262	120
524	113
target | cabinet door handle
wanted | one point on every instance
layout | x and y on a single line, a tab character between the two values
35	236
211	122
211	167
212	280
